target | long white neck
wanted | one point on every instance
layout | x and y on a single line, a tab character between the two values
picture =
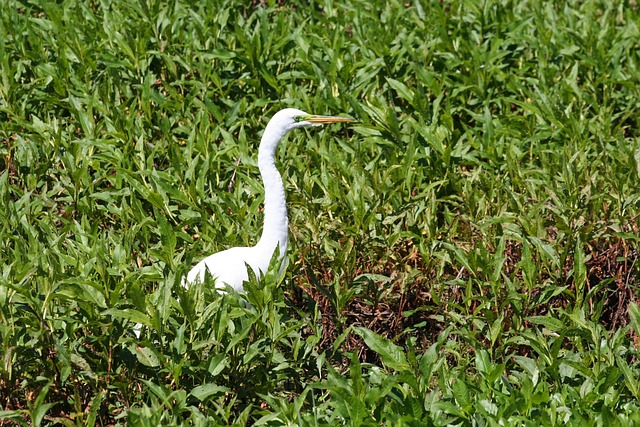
275	231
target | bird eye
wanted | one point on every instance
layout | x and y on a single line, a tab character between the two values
298	119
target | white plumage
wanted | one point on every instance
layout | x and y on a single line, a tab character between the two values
229	267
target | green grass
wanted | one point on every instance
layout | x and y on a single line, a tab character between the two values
466	254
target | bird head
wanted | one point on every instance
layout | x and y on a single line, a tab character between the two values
284	121
291	118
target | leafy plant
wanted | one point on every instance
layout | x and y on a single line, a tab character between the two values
466	253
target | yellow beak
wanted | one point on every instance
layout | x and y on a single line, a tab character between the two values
325	120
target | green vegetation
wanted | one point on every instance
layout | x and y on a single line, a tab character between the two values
467	254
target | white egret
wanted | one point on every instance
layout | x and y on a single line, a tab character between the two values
229	267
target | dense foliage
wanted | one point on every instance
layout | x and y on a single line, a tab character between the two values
466	254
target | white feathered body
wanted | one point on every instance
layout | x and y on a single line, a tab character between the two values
229	267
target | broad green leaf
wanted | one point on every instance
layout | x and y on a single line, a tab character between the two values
202	392
634	317
217	364
146	356
579	271
39	409
391	355
549	322
129	314
461	393
402	90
